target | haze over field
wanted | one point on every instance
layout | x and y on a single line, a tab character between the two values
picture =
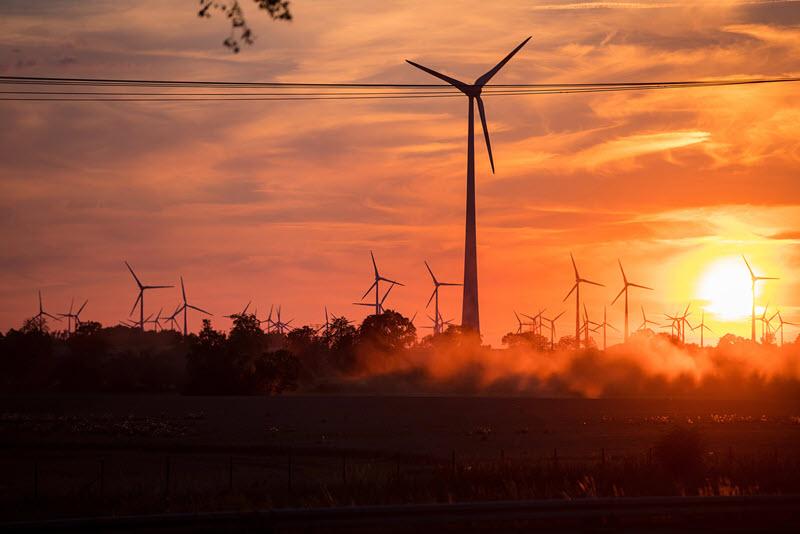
281	202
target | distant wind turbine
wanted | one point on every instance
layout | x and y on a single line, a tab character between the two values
435	295
577	289
753	280
645	321
140	297
625	285
376	285
781	322
702	326
605	324
470	316
186	307
240	314
73	326
553	328
40	317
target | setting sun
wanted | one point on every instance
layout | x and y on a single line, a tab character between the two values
725	289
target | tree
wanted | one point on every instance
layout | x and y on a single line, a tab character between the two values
388	332
531	340
240	31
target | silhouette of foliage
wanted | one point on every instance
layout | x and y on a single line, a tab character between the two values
241	34
388	332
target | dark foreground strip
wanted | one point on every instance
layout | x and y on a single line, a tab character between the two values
740	514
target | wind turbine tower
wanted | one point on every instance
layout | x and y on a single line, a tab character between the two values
577	289
625	285
470	316
753	280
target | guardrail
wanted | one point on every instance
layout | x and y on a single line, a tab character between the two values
739	513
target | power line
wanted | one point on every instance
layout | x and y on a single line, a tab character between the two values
288	91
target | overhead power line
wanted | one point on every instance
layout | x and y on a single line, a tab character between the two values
285	91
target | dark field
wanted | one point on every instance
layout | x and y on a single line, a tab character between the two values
138	454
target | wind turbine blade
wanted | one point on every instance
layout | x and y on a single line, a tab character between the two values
138	298
590	282
624	278
368	290
766	278
482	113
641	287
82	307
612	327
621	291
386	294
51	316
431	273
449	284
752	274
395	282
247	307
570	291
483	80
557	316
156	287
374	265
452	81
199	309
574	267
430	299
517	316
138	283
183	290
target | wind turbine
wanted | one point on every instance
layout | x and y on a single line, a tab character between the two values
186	306
140	297
577	289
536	321
765	328
645	321
237	315
553	328
279	324
435	295
39	317
173	323
376	284
624	289
753	280
702	326
470	316
605	324
519	322
73	327
157	321
781	323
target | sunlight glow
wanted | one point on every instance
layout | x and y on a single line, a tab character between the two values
725	286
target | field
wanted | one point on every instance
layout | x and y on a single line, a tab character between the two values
72	455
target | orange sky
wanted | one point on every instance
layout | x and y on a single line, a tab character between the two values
281	202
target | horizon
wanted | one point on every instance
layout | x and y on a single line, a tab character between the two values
288	199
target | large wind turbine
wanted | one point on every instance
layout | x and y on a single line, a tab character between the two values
645	321
577	289
470	316
753	280
603	325
140	297
624	289
186	306
376	285
435	295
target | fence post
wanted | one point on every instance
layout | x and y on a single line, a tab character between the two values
102	476
36	479
230	473
289	471
167	473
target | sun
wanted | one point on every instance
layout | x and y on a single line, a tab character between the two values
725	287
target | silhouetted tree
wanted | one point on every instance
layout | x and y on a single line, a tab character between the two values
277	372
240	31
388	332
208	368
531	340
